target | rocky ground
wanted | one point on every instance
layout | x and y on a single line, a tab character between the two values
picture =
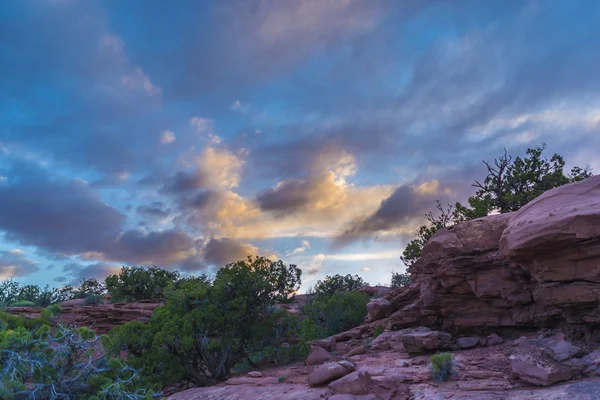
522	368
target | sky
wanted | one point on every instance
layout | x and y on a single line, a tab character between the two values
191	134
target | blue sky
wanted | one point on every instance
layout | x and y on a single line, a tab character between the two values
190	134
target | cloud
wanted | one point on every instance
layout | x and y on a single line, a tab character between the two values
14	263
315	264
167	137
54	214
154	210
305	245
224	251
77	272
400	210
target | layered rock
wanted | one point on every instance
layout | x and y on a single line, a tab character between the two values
538	266
101	317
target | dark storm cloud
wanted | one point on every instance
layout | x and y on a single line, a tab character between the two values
201	200
403	206
56	215
184	181
223	251
291	195
14	263
155	211
165	248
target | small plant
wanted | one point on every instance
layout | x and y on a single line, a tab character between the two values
281	379
400	280
441	366
23	303
378	331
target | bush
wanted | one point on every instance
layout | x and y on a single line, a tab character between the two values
9	292
338	283
23	303
137	283
91	299
441	366
43	363
378	331
400	280
206	328
337	313
89	286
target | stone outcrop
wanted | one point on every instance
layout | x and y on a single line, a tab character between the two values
378	309
539	266
101	317
318	355
326	373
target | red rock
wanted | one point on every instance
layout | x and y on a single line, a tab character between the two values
531	365
318	355
101	317
355	351
358	382
378	309
326	373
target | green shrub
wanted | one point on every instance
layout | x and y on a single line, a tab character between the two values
89	286
137	283
9	292
337	313
338	283
281	379
43	363
91	299
23	303
441	366
400	279
378	331
207	328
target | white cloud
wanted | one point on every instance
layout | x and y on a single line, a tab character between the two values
205	127
305	244
167	137
222	167
137	79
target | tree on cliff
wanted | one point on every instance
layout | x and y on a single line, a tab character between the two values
508	186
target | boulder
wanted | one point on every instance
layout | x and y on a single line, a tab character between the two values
328	343
468	342
356	383
318	355
255	374
356	351
534	267
530	364
326	373
378	309
350	367
394	339
494	339
556	239
421	342
591	363
560	350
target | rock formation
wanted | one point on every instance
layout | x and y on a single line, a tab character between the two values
100	317
539	266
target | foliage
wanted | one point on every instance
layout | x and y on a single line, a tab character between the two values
338	283
281	379
137	283
413	249
42	363
91	299
441	366
9	292
331	315
206	328
378	331
400	279
89	286
23	303
508	186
